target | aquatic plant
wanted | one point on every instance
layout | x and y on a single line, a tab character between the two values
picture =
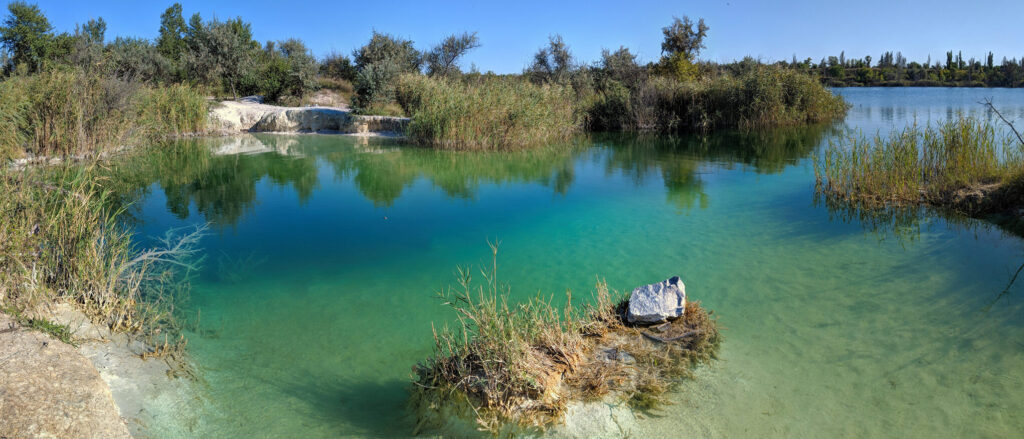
490	114
963	163
520	363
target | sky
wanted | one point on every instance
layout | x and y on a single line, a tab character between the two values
511	32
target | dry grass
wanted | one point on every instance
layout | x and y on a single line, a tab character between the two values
519	364
70	112
60	241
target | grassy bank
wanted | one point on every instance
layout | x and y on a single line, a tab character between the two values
494	113
962	163
70	112
61	241
521	364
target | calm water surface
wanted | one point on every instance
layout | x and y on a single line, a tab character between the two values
325	253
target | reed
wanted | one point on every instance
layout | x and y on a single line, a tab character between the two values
61	242
760	96
518	364
70	112
958	163
490	114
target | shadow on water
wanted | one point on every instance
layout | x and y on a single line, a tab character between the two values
370	408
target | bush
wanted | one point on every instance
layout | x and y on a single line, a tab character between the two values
68	112
758	96
493	113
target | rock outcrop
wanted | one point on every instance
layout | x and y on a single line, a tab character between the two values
657	302
50	390
249	115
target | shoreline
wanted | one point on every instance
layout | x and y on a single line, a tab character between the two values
108	367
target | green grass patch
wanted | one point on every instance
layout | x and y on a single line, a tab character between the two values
60	332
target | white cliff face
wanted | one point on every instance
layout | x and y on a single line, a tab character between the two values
248	115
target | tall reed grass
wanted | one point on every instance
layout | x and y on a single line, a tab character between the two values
957	161
61	241
491	114
71	112
758	97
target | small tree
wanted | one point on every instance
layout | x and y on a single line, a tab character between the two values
443	59
621	66
338	66
171	41
681	37
384	47
552	63
26	34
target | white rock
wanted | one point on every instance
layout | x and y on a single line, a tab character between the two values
657	302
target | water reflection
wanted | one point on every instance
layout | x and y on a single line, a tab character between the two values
220	177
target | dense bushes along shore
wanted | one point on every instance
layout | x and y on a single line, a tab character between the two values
93	92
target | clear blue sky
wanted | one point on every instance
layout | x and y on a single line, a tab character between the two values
511	31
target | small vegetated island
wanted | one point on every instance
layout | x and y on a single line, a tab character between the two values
69	99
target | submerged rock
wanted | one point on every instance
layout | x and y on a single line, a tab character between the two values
657	302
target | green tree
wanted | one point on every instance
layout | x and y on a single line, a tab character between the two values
681	37
171	42
26	34
385	47
336	65
553	63
443	59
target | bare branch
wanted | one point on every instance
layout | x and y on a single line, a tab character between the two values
988	102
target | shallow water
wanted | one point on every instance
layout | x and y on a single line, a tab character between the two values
325	253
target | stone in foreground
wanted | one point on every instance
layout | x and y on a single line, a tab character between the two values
657	302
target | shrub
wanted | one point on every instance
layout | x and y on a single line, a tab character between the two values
67	112
758	96
493	113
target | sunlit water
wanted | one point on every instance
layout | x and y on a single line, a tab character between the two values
325	253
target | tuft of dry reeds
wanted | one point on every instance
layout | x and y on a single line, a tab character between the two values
521	363
61	241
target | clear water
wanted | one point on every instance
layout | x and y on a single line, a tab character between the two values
326	252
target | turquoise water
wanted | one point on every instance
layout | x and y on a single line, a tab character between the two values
325	253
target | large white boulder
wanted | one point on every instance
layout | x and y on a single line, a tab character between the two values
657	302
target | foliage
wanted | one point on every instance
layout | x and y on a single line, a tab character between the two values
338	66
69	111
490	114
960	163
388	48
171	42
26	34
443	59
682	38
61	242
757	97
553	63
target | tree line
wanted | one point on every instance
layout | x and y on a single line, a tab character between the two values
893	69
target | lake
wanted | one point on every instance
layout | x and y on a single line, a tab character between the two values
325	254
